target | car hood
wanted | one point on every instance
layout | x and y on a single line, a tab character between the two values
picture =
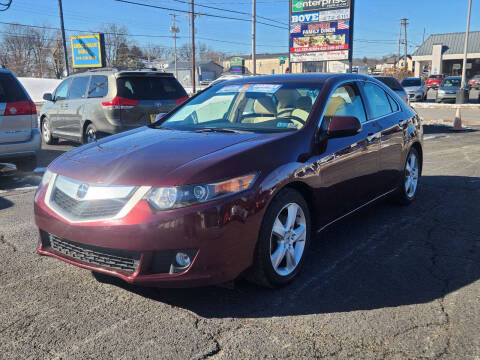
451	88
143	157
412	88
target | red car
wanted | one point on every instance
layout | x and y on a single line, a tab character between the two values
233	182
434	81
474	82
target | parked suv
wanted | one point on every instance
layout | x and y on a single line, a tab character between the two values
20	139
101	102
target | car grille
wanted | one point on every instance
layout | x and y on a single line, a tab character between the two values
110	258
87	209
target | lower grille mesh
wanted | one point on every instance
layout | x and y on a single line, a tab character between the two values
115	259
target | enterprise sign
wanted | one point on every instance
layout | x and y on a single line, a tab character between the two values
88	50
309	5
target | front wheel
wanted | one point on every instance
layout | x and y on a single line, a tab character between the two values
408	188
283	240
47	132
90	134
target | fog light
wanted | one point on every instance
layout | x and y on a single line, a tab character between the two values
182	259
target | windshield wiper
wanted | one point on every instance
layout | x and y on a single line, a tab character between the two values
219	130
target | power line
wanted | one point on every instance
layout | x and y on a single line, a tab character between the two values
232	11
197	13
135	35
5	6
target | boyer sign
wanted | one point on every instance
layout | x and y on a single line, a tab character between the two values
318	5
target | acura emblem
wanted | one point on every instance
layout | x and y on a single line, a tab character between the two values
82	191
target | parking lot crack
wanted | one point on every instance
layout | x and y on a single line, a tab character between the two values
8	243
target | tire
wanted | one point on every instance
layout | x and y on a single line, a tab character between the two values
27	164
47	136
407	191
90	134
269	243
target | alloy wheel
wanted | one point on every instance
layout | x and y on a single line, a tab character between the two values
91	135
45	131
411	175
287	240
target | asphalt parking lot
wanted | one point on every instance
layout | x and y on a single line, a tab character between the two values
389	282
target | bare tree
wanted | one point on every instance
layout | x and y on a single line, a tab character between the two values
115	37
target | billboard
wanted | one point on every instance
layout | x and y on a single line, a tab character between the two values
320	30
309	5
88	50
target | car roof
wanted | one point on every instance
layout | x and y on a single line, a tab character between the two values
308	78
453	77
116	72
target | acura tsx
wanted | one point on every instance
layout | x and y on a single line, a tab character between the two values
234	182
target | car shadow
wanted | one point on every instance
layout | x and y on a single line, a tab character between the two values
384	256
444	129
5	203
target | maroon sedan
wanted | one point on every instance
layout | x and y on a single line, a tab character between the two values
233	182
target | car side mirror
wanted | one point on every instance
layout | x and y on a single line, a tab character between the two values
342	126
47	97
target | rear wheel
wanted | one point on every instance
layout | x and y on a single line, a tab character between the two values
90	134
47	132
283	240
407	191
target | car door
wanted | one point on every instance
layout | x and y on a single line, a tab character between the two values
384	112
348	165
72	112
55	114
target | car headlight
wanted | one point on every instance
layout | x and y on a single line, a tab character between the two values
47	175
173	197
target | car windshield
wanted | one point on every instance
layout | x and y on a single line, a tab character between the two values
435	77
411	82
259	107
451	82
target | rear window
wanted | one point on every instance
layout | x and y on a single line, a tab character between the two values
411	82
10	89
149	88
391	82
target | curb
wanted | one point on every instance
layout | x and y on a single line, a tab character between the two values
444	106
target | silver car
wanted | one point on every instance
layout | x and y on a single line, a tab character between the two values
20	140
447	91
97	103
415	88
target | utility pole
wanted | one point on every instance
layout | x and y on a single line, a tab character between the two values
465	48
254	23
192	17
60	9
175	30
399	43
424	33
405	43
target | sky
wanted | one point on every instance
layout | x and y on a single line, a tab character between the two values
376	31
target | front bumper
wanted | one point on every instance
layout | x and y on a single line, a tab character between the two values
220	236
415	97
445	96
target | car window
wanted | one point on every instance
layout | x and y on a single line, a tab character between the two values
10	89
79	87
345	101
378	101
393	104
149	88
62	89
98	86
